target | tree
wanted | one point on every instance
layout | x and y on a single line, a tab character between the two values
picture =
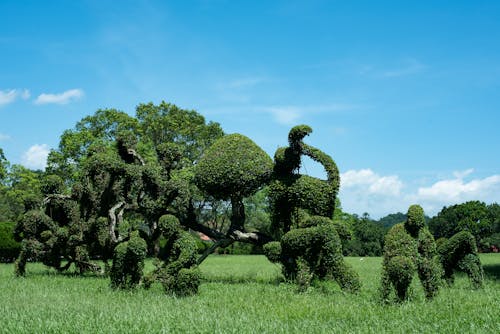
471	216
99	129
367	238
233	168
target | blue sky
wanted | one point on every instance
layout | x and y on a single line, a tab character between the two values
404	96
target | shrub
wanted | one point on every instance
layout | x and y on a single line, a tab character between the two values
128	262
460	253
316	249
233	165
410	247
183	283
9	248
272	250
176	269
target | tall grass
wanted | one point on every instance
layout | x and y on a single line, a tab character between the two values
242	294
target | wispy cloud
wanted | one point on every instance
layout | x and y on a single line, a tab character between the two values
286	115
4	137
62	98
409	66
10	95
290	115
245	82
406	67
36	156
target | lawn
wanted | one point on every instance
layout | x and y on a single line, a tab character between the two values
242	294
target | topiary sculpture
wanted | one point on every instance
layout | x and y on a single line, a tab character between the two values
410	247
128	262
312	249
460	253
290	191
176	269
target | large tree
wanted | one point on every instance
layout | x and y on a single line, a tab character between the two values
472	216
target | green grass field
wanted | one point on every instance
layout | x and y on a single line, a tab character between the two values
242	294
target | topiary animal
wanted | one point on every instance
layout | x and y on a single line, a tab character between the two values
410	247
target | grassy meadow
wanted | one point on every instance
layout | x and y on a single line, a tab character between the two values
242	294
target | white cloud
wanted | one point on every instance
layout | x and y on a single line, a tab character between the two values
4	137
366	191
457	190
285	115
36	156
371	182
62	98
11	95
290	115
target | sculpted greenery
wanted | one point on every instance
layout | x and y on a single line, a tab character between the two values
120	188
409	247
301	208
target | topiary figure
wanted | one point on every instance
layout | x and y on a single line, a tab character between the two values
289	190
312	253
410	247
128	262
176	268
460	253
313	248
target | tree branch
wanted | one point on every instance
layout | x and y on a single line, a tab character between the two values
113	218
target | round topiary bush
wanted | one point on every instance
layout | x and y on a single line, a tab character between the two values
234	166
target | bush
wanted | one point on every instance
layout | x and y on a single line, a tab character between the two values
460	253
233	165
9	248
272	250
128	262
317	249
410	247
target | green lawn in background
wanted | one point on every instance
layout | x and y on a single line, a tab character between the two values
242	294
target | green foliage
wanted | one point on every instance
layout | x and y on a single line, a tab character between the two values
460	253
178	135
474	216
9	248
128	262
316	249
184	283
366	237
176	268
272	250
410	247
233	167
290	191
415	221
